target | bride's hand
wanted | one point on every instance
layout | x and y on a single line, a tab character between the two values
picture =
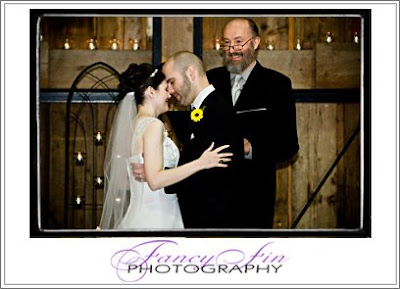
215	158
138	172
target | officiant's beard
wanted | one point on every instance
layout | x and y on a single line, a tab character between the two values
248	56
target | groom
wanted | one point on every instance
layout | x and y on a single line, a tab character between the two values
208	199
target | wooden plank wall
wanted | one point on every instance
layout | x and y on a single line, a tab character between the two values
79	30
276	30
273	30
177	35
64	65
323	128
81	181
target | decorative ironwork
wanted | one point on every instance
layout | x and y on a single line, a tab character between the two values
84	152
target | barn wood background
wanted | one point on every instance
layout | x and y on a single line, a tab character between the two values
323	127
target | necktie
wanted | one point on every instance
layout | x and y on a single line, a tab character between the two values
237	88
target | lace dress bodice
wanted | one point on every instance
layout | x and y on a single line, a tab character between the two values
170	150
151	209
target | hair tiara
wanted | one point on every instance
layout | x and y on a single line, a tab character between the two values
154	73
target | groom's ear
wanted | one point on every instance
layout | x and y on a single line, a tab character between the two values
191	72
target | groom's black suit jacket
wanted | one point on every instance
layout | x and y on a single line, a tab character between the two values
208	199
267	117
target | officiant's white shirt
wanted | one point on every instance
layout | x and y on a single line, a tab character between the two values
245	74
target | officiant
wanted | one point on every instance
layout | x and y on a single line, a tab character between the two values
264	103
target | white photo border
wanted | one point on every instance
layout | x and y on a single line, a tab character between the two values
87	262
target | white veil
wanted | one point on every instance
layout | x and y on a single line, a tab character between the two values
117	194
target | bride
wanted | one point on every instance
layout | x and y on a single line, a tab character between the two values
138	136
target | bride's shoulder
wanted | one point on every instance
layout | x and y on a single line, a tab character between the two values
156	122
152	123
146	120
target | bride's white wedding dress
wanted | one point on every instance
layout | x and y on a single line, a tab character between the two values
149	209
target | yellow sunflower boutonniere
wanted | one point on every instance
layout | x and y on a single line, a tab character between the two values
197	114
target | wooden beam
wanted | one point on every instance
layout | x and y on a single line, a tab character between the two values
290	193
291	34
177	35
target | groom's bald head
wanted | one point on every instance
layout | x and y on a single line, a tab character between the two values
183	59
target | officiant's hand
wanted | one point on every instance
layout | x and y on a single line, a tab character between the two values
247	146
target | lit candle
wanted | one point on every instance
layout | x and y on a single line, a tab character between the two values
78	200
99	181
298	46
356	39
114	44
217	45
92	44
270	47
79	157
135	45
66	44
329	37
99	138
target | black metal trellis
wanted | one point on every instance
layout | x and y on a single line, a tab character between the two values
99	84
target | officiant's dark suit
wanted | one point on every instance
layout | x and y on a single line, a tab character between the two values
208	198
267	118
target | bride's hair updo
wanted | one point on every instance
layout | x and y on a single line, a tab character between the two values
137	78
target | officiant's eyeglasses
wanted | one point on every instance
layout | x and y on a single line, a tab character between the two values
226	47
